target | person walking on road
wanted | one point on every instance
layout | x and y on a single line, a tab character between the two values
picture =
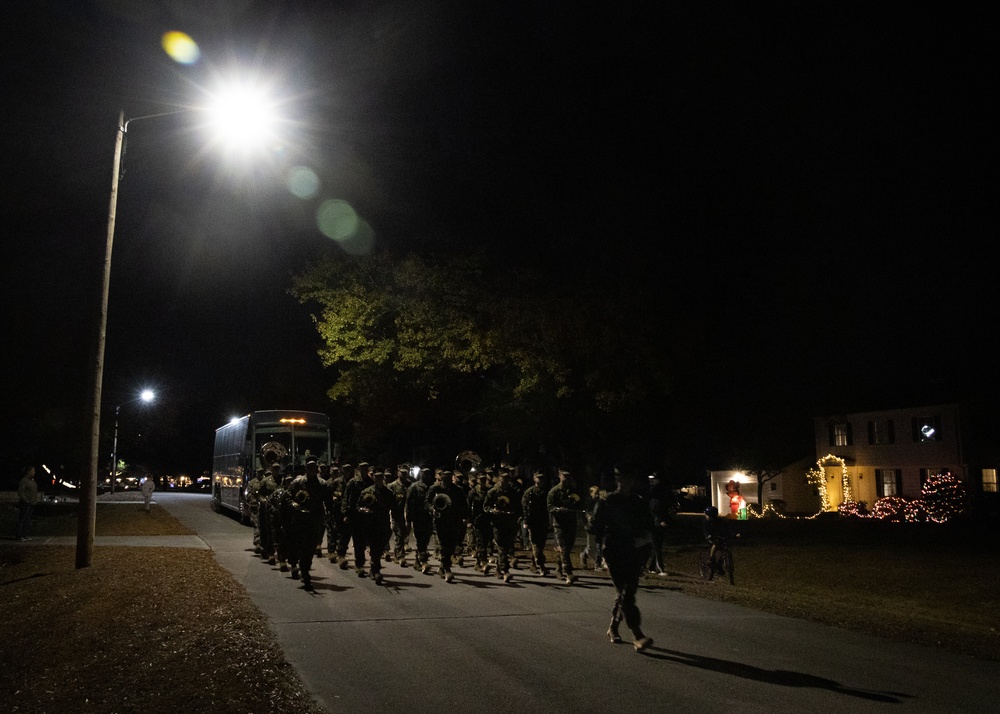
419	518
374	512
306	512
564	506
534	506
624	524
503	506
27	499
147	488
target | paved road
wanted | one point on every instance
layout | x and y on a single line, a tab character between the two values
419	644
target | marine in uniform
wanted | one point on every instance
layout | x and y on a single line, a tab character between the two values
374	508
564	507
253	502
355	527
334	485
481	526
624	524
267	486
305	512
534	505
447	503
276	507
420	519
400	527
504	508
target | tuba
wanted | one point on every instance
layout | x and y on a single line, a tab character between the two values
441	502
300	501
367	501
273	451
467	462
502	506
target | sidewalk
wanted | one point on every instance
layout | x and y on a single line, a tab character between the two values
183	541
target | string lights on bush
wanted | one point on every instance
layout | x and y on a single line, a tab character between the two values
943	498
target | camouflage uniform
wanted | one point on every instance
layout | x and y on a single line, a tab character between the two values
564	506
277	504
449	521
504	508
253	502
624	524
534	505
265	489
334	514
353	525
482	527
400	527
305	512
374	507
420	519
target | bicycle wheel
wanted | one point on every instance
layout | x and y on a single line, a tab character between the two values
728	560
705	566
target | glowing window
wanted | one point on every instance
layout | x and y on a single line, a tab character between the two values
889	482
990	480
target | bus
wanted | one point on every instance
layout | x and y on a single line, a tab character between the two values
271	439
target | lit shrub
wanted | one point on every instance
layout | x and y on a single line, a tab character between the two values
890	508
944	496
853	509
915	511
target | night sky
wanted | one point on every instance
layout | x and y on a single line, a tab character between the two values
800	192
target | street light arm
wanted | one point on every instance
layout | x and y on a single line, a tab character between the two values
124	125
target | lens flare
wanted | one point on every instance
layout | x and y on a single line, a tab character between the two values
336	219
303	182
180	47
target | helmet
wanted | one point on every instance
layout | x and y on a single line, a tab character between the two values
711	511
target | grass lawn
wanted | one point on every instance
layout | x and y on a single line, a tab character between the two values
930	584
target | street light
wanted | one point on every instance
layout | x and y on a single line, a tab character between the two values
87	517
147	395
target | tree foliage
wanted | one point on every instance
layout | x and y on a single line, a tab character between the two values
507	349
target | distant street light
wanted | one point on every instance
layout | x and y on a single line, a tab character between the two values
87	517
147	395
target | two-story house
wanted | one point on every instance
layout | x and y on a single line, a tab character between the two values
866	456
888	453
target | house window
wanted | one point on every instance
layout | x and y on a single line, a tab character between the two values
881	431
889	482
927	428
933	471
989	480
774	486
840	434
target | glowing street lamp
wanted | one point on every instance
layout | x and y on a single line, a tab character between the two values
228	106
147	395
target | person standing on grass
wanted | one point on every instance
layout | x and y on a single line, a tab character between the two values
147	488
624	524
27	498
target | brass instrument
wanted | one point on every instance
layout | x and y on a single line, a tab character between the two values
300	501
367	502
441	502
467	462
502	506
272	452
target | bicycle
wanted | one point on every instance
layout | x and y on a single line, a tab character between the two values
717	559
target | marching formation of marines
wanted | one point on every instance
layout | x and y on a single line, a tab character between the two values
373	511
